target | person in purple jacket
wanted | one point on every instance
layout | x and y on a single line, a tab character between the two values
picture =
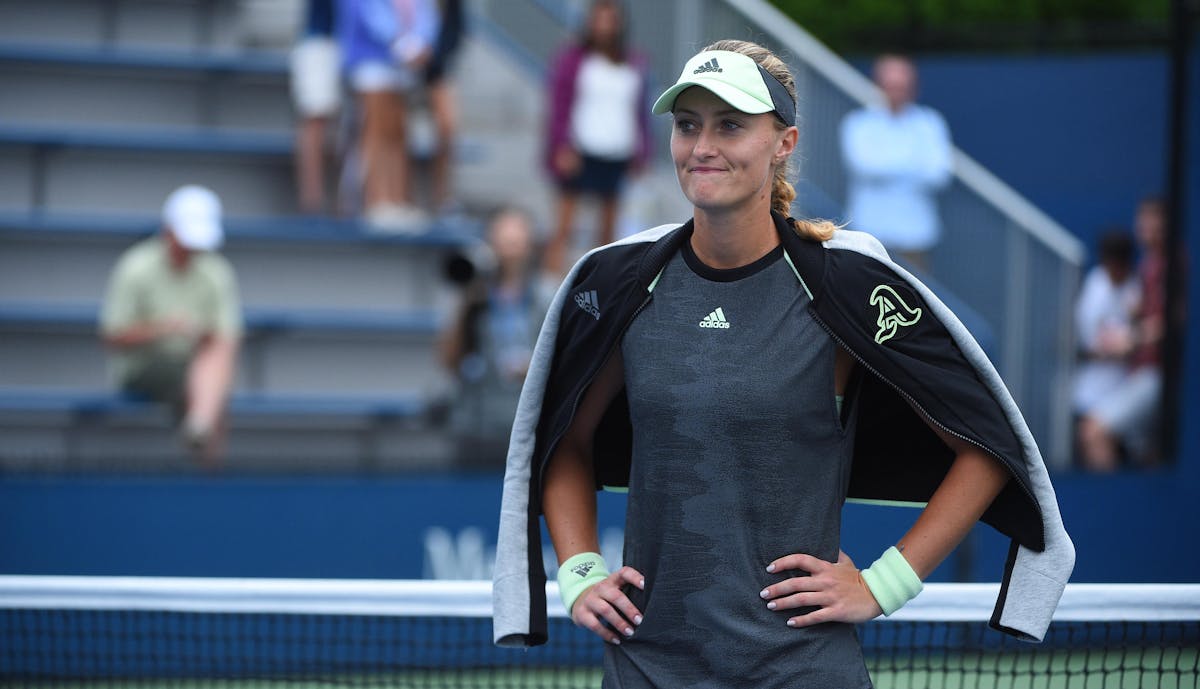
598	130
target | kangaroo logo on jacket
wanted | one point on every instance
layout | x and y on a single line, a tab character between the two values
894	313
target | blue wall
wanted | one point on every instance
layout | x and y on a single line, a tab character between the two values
1083	137
1138	528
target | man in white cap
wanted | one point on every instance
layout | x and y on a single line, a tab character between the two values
173	318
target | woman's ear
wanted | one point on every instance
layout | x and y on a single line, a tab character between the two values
787	144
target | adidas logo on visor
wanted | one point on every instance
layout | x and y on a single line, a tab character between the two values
710	66
716	319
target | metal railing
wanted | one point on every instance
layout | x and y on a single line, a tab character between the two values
1009	262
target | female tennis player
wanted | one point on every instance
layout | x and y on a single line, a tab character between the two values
742	374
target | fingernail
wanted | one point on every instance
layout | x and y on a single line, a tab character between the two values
791	623
642	584
764	593
637	619
771	568
771	605
629	631
617	642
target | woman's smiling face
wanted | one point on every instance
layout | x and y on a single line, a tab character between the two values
725	158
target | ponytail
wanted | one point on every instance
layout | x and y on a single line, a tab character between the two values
817	230
782	192
782	196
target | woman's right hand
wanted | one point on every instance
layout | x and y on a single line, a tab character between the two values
605	602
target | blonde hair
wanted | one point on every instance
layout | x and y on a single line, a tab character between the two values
782	191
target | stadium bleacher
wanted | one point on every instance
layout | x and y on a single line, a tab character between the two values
99	121
340	325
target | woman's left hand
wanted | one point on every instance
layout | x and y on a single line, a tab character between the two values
836	589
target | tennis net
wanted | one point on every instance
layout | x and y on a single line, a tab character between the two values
151	632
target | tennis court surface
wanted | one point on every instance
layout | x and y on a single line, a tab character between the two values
174	632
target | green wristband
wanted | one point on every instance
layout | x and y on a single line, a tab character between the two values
892	581
577	574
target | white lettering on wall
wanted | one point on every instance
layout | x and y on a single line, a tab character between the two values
457	556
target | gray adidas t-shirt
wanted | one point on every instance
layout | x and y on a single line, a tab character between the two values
739	457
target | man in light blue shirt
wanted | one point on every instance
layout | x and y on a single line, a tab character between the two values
897	157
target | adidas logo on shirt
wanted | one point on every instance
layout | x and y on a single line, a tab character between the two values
589	303
716	319
710	66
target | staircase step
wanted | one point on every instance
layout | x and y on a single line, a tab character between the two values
148	59
193	24
53	357
373	277
92	429
205	140
260	321
288	229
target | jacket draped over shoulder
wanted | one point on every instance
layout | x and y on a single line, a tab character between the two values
915	353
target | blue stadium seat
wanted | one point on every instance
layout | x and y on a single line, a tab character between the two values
149	59
177	140
279	228
258	321
152	139
101	403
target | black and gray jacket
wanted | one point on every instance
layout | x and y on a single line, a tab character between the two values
918	356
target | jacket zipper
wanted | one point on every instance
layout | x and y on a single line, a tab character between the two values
587	384
1017	479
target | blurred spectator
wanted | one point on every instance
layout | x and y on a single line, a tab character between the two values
598	128
897	156
1104	319
173	317
1127	417
316	94
385	46
441	101
488	344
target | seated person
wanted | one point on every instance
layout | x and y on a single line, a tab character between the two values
1127	418
173	319
488	343
1104	319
